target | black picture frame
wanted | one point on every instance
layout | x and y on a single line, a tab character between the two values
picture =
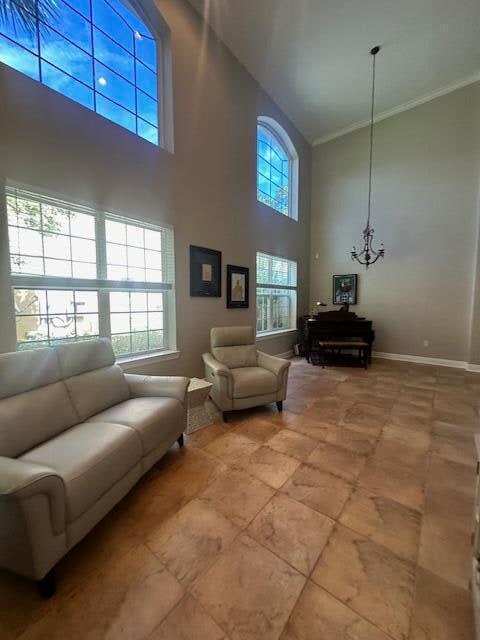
350	297
238	294
205	272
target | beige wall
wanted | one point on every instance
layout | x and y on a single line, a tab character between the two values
425	209
206	189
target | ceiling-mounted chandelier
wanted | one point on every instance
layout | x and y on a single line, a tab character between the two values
368	255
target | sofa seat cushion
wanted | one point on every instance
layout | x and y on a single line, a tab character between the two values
155	419
90	458
253	381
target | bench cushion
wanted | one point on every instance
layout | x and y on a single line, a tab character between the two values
345	344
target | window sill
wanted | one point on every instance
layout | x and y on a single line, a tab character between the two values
132	362
273	334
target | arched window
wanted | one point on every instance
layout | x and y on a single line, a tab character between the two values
277	168
96	52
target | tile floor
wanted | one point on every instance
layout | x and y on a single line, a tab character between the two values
346	517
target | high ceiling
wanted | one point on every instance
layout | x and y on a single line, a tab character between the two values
312	56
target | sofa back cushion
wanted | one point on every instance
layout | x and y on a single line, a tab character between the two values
96	390
234	346
30	418
79	357
22	371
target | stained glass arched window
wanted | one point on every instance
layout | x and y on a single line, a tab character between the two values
277	168
96	52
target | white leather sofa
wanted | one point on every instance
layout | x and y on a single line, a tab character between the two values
243	377
76	434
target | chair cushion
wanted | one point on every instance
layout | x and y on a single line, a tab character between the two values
94	391
90	458
253	381
235	357
155	419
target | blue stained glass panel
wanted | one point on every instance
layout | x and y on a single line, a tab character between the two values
108	20
147	131
147	108
115	113
146	80
58	51
72	25
113	56
114	87
83	6
62	83
15	56
146	51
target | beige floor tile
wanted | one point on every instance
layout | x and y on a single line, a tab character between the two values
318	616
384	521
409	458
336	460
330	409
191	540
441	611
270	466
444	474
455	449
188	621
232	448
410	410
238	495
319	490
366	418
292	444
257	430
417	438
293	531
202	437
249	591
369	578
392	481
410	422
127	599
354	441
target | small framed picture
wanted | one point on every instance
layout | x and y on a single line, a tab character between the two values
345	289
237	287
205	272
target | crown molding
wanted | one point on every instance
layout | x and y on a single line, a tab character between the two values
383	115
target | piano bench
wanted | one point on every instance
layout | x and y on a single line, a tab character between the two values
339	345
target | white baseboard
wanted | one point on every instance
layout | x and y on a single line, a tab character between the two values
438	362
285	354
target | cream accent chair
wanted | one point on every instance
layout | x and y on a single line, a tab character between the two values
243	377
76	434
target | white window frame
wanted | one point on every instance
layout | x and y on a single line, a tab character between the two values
102	285
287	145
278	287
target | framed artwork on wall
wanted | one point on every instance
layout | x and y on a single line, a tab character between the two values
237	287
345	289
205	272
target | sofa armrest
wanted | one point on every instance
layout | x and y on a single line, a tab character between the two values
276	365
219	375
20	480
158	386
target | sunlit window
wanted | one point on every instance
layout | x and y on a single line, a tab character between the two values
78	274
96	52
276	293
277	168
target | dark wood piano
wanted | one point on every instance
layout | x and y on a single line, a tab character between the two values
336	325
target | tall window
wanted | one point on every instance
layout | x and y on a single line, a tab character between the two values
276	294
96	52
277	168
77	274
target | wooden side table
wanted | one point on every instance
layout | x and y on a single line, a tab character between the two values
198	414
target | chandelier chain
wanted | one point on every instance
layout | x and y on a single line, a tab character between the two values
372	116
